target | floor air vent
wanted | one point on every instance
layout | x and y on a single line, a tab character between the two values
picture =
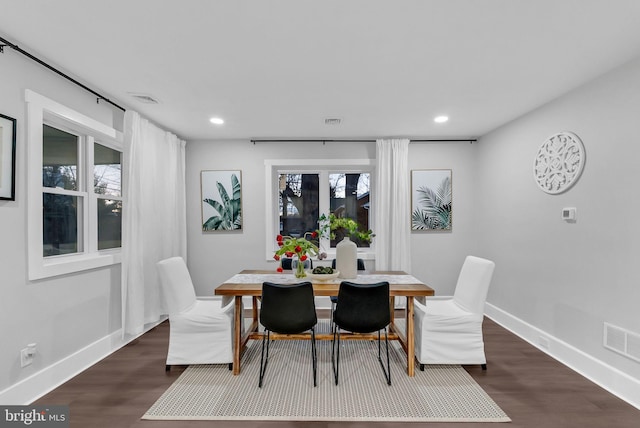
622	341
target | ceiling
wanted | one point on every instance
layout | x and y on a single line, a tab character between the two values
277	69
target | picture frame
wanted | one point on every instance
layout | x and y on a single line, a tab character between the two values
7	158
221	198
431	200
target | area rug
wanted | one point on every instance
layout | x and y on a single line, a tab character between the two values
441	393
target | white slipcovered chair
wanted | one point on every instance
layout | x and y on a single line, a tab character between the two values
200	331
448	330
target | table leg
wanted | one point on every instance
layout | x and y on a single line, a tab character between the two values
254	301
392	308
237	335
410	340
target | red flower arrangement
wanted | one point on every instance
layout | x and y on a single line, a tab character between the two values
299	247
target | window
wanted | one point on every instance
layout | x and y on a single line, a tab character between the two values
300	191
75	190
61	200
107	182
299	203
349	193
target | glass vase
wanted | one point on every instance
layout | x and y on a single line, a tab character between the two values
299	272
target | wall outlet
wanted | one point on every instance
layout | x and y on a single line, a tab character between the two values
27	354
25	358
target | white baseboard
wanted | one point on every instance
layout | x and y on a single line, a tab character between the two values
613	380
35	386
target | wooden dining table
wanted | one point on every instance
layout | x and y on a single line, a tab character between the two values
249	283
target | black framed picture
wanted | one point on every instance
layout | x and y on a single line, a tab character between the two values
7	158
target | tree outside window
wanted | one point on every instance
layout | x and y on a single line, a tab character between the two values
300	198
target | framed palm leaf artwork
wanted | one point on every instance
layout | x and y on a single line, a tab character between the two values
221	200
431	199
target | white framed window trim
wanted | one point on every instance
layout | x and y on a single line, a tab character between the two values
42	110
274	167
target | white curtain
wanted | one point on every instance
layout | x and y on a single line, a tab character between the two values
154	217
392	206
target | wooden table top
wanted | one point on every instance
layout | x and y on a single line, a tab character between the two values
249	283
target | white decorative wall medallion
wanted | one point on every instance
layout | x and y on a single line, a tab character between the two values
559	162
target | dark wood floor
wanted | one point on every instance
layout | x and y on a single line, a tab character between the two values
532	388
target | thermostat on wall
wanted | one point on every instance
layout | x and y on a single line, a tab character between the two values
569	214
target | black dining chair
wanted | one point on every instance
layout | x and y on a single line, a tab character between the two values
287	263
360	264
287	309
361	308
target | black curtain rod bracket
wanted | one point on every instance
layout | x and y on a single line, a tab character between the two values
58	72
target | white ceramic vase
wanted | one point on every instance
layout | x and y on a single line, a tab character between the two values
347	258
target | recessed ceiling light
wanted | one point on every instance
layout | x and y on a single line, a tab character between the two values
441	119
216	121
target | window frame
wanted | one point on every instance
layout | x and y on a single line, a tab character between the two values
40	111
323	167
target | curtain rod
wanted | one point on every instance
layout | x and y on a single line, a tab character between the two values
444	140
55	70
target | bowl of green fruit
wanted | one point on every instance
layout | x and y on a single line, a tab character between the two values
322	273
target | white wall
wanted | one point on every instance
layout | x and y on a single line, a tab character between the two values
567	279
216	256
436	257
63	314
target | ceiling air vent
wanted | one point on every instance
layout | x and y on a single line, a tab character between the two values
144	98
332	121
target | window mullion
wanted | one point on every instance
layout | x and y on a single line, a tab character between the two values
91	213
324	203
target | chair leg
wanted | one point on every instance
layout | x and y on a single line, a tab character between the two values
167	368
484	366
421	367
314	357
264	357
335	357
333	308
386	341
387	371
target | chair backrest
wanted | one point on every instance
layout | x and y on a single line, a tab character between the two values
288	308
473	284
362	308
176	285
287	263
360	262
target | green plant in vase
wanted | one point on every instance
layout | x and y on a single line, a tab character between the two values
348	226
